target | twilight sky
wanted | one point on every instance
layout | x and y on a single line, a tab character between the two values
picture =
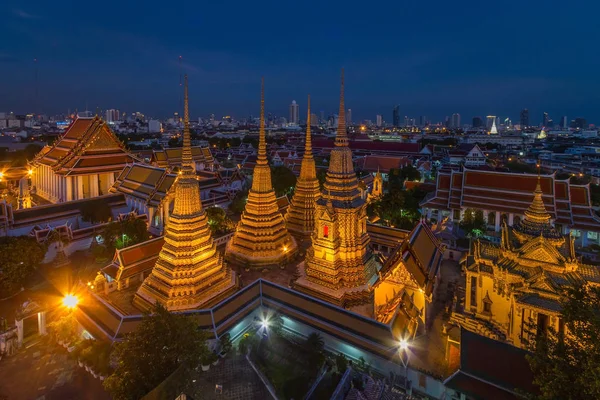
432	58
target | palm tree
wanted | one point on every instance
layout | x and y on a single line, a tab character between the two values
314	342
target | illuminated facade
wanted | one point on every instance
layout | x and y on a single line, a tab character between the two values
340	267
521	279
82	164
261	238
377	190
300	217
189	272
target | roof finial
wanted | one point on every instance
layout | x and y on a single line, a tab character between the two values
262	141
186	154
308	145
341	138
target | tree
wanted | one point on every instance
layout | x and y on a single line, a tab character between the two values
284	180
19	258
95	211
218	221
473	221
238	204
162	343
567	365
125	233
174	142
410	173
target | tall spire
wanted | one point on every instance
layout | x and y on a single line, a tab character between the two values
537	221
308	144
537	210
186	155
341	138
262	141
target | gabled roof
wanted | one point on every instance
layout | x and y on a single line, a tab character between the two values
171	157
490	369
421	254
149	184
134	259
384	164
87	147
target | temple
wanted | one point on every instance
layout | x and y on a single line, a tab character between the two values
189	272
520	281
82	164
505	197
170	158
340	266
261	238
300	217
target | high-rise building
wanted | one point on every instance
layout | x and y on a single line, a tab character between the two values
455	121
545	120
524	118
422	121
112	116
294	113
564	122
349	117
579	123
396	116
406	121
379	119
477	122
314	121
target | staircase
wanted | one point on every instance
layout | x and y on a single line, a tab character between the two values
480	326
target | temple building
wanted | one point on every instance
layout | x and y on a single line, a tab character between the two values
170	158
340	267
189	272
82	164
407	280
505	197
377	190
300	216
520	280
261	238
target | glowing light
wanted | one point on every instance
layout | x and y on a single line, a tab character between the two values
70	301
284	248
403	344
30	172
264	323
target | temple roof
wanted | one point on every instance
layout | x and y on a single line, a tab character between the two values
149	184
491	369
384	164
566	203
134	259
171	157
87	147
420	253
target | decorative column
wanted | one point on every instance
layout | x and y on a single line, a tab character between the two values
497	221
69	188
511	218
42	322
79	188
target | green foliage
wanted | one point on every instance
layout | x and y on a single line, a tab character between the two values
595	194
64	329
19	258
218	221
125	233
398	208
341	363
567	366
284	180
314	347
225	341
247	342
238	204
473	221
161	343
175	142
95	211
516	166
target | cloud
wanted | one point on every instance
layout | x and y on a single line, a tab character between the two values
25	15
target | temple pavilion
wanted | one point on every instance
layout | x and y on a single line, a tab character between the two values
82	164
520	280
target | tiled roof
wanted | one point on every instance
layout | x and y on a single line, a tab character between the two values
384	163
88	146
171	157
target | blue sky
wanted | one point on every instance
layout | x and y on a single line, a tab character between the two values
432	58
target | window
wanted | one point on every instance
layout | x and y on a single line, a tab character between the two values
487	307
592	235
325	231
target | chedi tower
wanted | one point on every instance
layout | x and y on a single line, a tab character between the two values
261	238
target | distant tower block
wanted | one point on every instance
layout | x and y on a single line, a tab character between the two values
340	268
300	216
189	272
261	238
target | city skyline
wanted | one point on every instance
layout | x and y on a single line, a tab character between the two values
120	61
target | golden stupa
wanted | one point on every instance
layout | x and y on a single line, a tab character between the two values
300	216
189	272
340	267
261	238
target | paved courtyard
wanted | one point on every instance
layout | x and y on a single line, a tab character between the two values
237	377
46	372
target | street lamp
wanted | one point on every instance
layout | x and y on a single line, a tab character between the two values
70	301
